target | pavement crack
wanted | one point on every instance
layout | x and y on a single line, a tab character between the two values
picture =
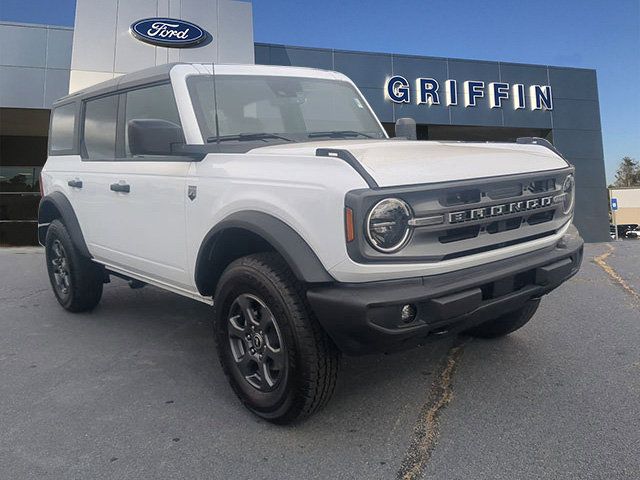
601	261
427	428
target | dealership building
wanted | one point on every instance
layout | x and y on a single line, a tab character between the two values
450	99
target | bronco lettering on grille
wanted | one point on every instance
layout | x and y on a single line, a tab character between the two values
497	210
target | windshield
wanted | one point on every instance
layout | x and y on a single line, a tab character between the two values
279	109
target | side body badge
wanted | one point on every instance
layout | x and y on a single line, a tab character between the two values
192	192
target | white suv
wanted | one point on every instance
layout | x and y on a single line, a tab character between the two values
275	195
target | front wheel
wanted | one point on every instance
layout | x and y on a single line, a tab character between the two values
279	361
505	324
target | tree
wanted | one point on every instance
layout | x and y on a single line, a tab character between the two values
628	174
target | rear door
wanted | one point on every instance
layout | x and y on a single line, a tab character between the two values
63	169
138	221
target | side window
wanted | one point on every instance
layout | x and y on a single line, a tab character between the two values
201	90
100	128
61	136
150	103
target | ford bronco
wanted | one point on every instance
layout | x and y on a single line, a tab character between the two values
275	195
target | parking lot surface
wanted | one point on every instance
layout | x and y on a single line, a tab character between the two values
134	390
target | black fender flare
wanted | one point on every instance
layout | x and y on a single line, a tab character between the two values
302	260
57	205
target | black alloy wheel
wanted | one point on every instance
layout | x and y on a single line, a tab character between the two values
60	269
256	343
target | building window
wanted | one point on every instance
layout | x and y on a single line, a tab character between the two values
100	128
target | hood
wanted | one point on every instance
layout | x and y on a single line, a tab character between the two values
403	162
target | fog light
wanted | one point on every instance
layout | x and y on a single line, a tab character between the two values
562	243
408	313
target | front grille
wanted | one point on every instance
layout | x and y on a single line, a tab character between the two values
492	215
462	197
457	234
507	191
541	186
541	217
495	246
504	225
478	215
483	215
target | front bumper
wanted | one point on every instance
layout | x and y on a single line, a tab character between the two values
365	317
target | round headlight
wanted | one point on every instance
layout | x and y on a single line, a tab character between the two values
388	227
569	192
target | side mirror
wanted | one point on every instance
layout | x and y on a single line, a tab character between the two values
153	136
406	127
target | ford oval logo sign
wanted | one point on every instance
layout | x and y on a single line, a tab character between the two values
168	32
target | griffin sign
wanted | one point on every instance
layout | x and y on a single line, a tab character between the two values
428	91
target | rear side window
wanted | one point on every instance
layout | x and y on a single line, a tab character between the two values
61	136
156	102
100	128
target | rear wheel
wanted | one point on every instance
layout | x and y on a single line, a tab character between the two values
76	281
279	361
505	324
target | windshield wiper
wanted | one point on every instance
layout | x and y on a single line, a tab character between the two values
247	137
339	134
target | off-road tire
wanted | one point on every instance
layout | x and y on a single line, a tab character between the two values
505	324
309	378
84	277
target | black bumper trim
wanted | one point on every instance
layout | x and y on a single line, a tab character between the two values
365	318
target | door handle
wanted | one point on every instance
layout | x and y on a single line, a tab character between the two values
120	187
75	183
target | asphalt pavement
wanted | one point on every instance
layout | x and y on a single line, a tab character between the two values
134	390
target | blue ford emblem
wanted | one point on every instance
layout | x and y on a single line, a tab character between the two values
168	32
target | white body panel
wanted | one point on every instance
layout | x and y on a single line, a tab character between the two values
306	193
154	233
413	162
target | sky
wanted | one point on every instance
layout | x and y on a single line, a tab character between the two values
604	35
